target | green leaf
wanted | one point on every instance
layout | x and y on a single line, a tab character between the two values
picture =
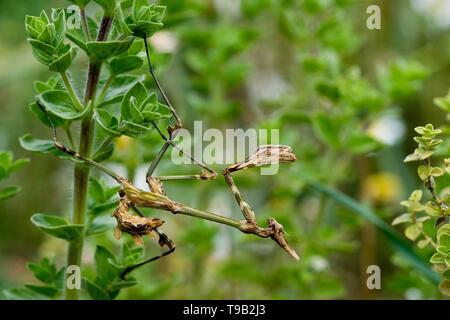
125	64
59	103
123	284
137	7
3	172
109	6
78	38
412	157
359	143
104	50
96	190
130	256
44	271
43	52
64	61
57	121
16	165
437	258
413	231
443	250
57	227
145	19
404	218
108	122
100	225
144	28
40	86
81	3
135	130
94	291
436	172
59	21
117	89
328	90
9	192
48	291
423	154
444	229
106	271
6	158
104	154
104	207
444	240
432	210
23	293
416	195
423	172
139	93
423	243
444	102
42	146
326	129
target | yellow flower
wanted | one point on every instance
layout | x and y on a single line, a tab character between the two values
382	187
123	143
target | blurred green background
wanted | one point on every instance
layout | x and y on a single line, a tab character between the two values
344	97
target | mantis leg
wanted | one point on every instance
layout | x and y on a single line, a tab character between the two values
74	154
172	132
163	240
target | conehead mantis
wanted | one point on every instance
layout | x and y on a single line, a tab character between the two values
132	221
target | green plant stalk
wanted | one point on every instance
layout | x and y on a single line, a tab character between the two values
69	88
81	171
105	89
81	178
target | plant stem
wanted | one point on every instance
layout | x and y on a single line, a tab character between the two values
69	88
69	136
85	25
81	172
81	178
104	90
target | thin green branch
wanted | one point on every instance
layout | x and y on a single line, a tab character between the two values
104	89
71	92
81	172
69	137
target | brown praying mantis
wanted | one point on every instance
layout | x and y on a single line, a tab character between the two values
131	198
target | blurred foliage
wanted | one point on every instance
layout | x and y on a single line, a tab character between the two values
342	97
8	166
433	228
